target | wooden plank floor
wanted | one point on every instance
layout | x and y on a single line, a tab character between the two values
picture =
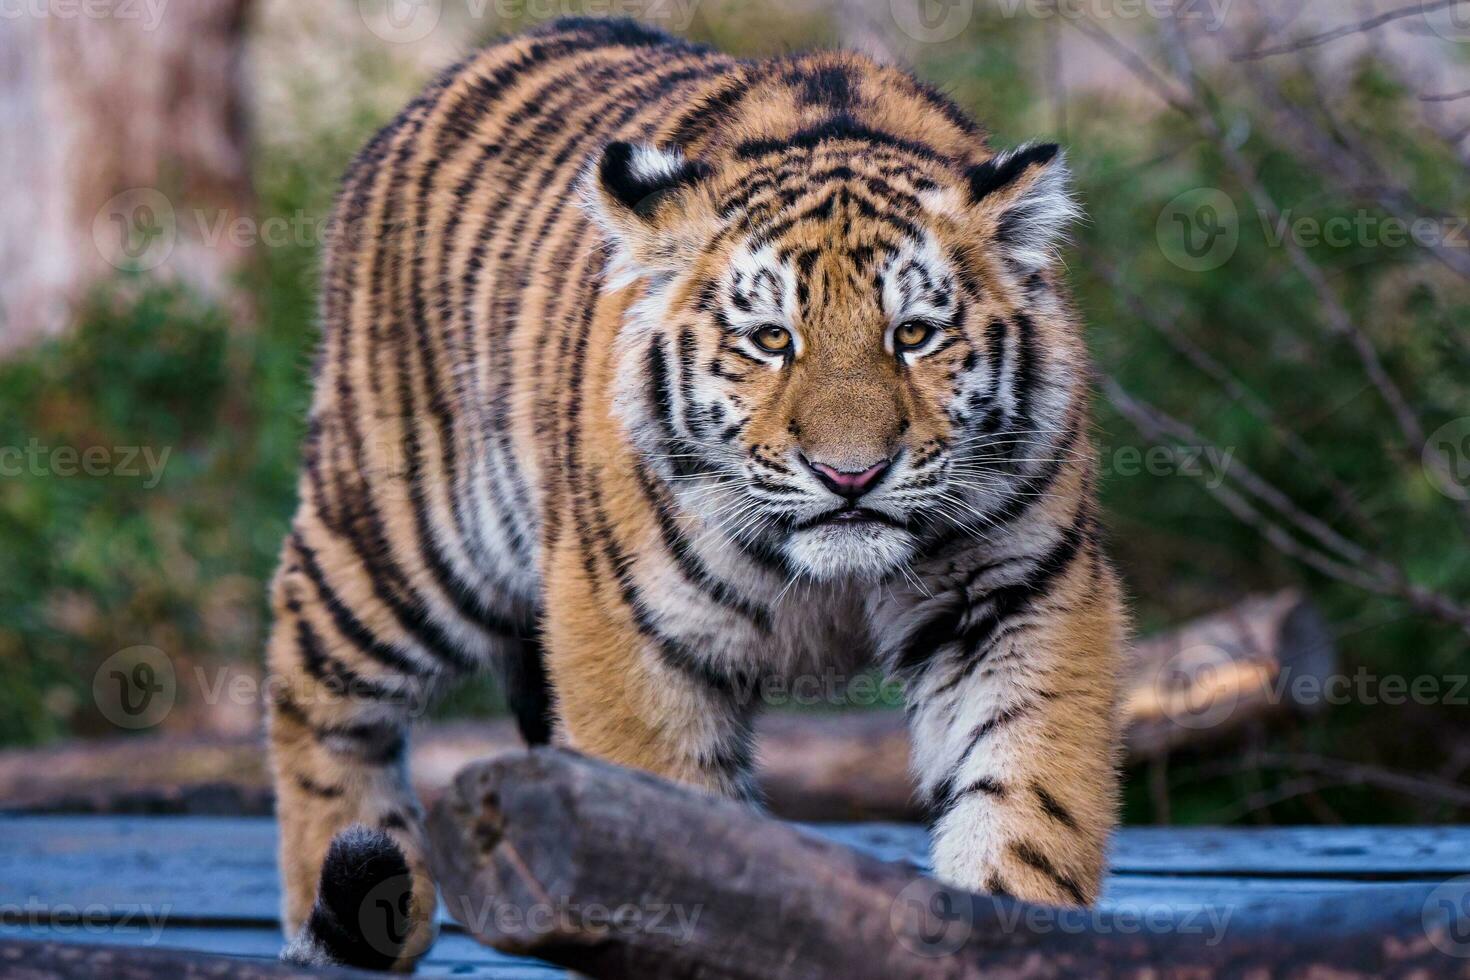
209	884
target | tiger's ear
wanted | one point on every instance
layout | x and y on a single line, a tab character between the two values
646	199
1024	196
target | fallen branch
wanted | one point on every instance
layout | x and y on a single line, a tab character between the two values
617	874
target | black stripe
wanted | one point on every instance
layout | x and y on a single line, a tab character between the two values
682	453
600	536
637	80
351	629
945	796
1034	488
1035	859
690	566
1008	600
313	788
376	557
1054	808
338	678
623	31
693	422
983	730
588	288
708	112
379	742
1026	375
939	629
735	757
842	127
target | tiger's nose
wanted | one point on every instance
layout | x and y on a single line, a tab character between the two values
848	484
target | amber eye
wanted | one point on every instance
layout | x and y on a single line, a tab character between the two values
913	334
772	339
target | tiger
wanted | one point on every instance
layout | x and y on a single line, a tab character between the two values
648	374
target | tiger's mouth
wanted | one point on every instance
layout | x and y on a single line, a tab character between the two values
854	517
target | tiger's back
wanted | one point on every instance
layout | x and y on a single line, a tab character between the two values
515	428
462	267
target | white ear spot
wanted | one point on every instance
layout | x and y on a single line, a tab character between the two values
632	192
654	165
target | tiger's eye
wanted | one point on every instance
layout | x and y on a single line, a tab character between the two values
914	333
773	339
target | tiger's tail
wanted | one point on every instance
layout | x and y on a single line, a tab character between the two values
363	907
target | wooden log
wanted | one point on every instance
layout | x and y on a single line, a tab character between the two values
1252	664
27	960
1262	659
618	874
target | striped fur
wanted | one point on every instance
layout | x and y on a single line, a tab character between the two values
550	437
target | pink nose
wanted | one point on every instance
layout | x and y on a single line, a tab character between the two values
849	485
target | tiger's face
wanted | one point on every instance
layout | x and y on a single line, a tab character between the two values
840	359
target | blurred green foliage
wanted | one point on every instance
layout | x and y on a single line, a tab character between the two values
92	565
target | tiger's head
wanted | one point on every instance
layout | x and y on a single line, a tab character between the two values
843	343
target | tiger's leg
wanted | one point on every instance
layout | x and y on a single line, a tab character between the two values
341	699
1012	685
634	697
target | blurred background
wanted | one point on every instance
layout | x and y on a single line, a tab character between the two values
1275	272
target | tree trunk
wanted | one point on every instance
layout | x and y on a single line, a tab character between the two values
124	138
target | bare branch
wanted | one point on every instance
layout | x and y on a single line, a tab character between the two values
1344	772
1446	97
1137	64
1332	555
1347	30
1300	450
1339	320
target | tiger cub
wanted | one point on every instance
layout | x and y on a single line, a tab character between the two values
649	375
